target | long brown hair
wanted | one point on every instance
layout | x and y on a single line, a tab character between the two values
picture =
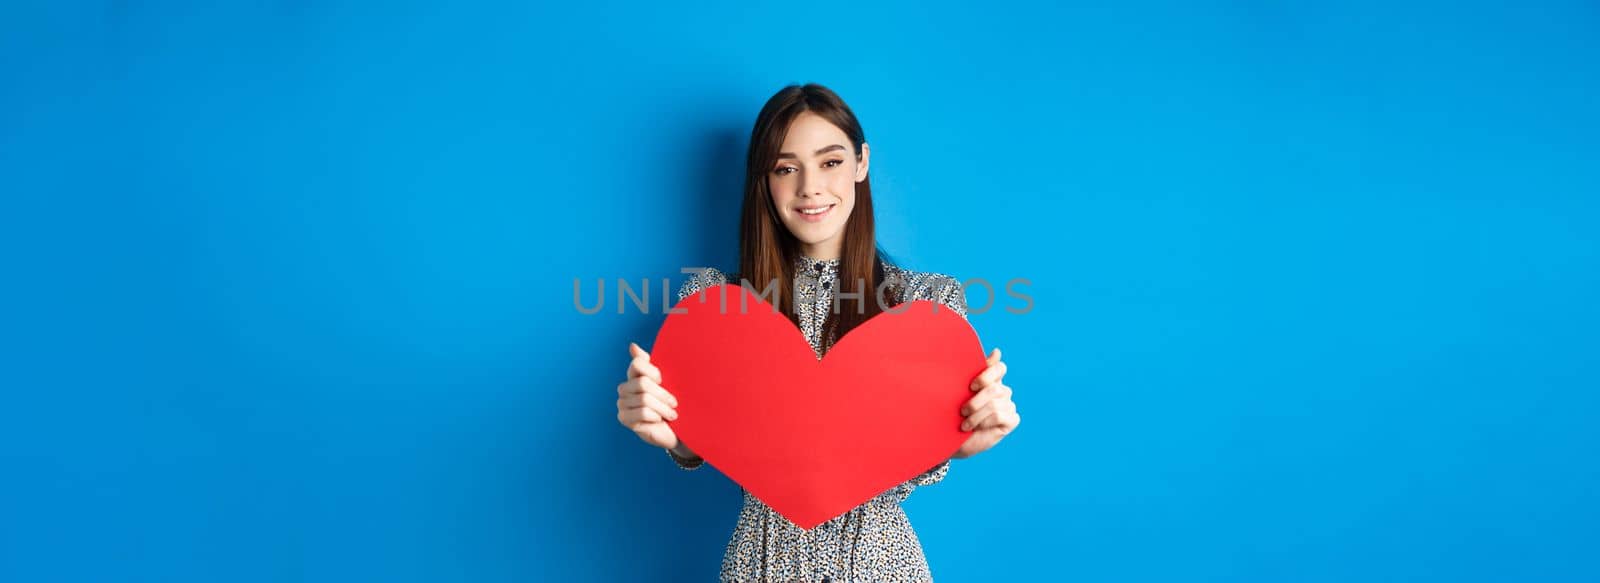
768	251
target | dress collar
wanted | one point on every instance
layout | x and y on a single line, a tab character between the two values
815	267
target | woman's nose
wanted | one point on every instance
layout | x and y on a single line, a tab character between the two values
810	186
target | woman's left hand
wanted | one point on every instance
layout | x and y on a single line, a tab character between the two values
990	414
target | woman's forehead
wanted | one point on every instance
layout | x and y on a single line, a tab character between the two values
809	132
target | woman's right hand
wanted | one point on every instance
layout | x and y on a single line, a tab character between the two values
642	405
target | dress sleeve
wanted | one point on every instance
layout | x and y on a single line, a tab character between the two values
936	287
708	277
699	280
949	293
928	478
686	464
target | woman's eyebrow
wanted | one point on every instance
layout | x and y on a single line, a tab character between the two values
821	151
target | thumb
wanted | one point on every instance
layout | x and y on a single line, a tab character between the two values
994	357
634	350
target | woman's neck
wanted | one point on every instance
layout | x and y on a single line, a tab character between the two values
825	251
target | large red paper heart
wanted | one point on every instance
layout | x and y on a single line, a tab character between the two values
815	438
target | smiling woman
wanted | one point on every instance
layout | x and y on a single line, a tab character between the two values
807	170
807	220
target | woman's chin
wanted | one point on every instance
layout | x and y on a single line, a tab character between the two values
814	237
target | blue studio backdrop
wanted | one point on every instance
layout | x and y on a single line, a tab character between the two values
288	286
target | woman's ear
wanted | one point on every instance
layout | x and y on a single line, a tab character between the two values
861	168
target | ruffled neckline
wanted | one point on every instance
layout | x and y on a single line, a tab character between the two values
808	265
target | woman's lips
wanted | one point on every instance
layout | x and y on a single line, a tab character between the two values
817	217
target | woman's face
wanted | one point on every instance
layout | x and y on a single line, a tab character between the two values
813	183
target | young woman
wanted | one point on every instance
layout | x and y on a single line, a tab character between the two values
807	220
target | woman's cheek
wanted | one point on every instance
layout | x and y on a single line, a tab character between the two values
779	197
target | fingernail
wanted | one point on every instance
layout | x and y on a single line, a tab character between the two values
963	426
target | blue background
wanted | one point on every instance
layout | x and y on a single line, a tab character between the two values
288	285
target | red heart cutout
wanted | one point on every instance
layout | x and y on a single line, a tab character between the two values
815	438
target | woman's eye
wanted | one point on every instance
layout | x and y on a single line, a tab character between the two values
782	171
832	163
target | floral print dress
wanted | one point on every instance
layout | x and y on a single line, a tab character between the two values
872	542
